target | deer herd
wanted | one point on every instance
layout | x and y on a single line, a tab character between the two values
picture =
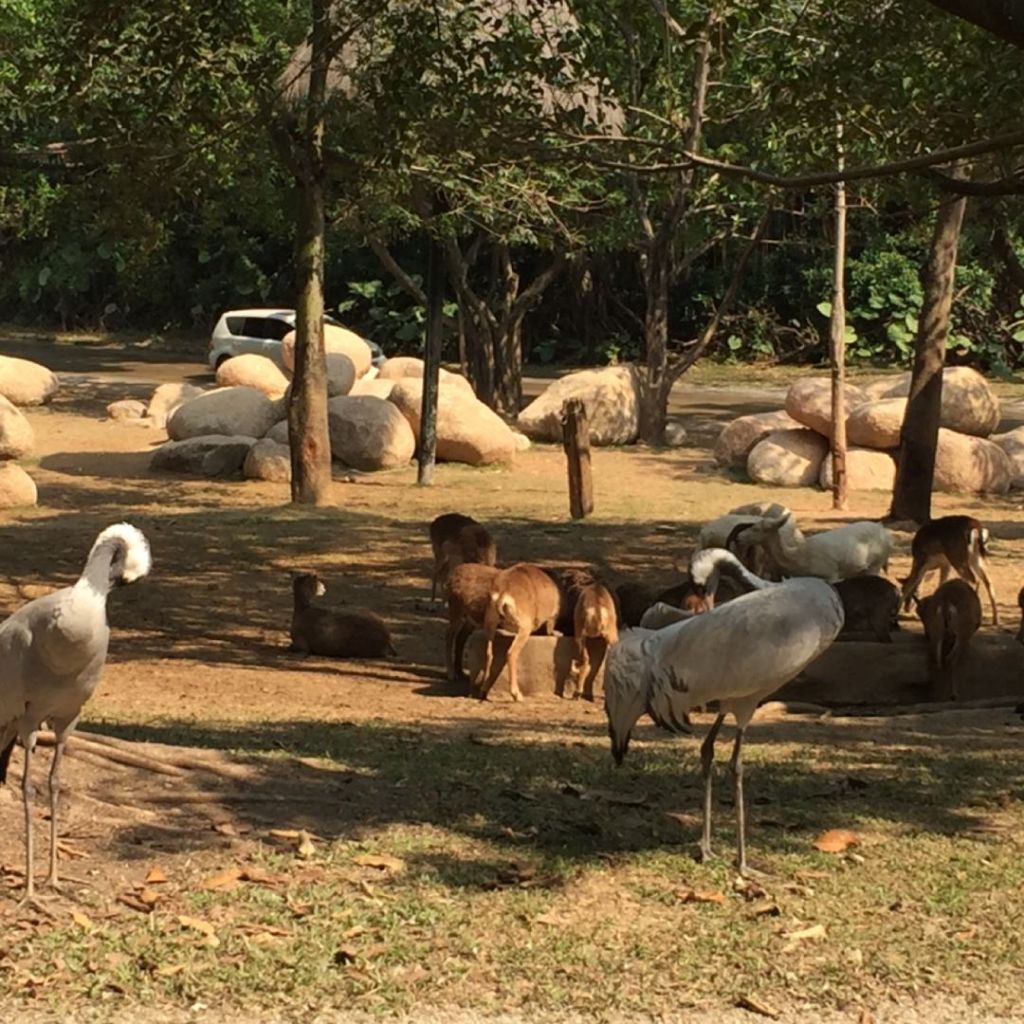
589	606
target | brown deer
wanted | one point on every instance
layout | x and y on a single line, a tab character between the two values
457	539
950	542
523	599
468	591
354	633
595	626
951	616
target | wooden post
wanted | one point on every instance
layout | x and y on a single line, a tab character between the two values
576	440
837	339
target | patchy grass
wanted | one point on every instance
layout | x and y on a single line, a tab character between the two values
522	872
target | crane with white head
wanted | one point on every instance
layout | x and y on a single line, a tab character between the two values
733	657
52	651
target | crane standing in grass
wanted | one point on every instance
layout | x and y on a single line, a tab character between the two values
733	656
52	651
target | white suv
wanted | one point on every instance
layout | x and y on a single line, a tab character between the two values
261	331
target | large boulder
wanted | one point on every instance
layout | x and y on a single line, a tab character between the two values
1012	442
369	433
409	366
231	411
17	438
17	488
166	398
968	403
376	387
892	385
278	433
788	458
214	455
268	460
336	339
738	438
965	464
23	382
809	401
341	374
467	431
876	424
866	470
611	397
252	371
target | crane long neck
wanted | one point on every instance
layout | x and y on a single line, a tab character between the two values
708	565
96	574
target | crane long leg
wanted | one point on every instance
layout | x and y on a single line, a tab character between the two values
707	762
28	793
58	753
741	818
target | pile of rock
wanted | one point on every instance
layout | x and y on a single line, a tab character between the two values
790	448
22	383
373	421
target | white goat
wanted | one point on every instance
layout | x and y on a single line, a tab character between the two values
858	549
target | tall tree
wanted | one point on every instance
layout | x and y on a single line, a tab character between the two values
912	493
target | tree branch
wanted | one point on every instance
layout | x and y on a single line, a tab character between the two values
915	163
1003	18
680	366
392	266
1011	185
533	291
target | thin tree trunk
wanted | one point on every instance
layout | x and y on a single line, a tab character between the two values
659	247
431	365
912	493
837	333
307	406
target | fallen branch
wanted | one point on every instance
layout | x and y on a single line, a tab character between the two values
78	745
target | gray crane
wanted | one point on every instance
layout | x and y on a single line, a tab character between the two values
733	656
52	651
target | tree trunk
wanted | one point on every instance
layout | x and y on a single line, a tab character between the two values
508	384
653	393
912	493
427	453
837	338
307	406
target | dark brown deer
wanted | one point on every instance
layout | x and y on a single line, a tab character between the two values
457	539
951	616
595	628
468	591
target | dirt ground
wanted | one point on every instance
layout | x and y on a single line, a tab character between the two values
199	678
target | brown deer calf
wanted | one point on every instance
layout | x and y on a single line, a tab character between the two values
951	616
335	634
523	599
956	542
595	624
468	591
457	539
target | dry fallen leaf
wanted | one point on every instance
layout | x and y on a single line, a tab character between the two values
261	877
65	849
169	971
814	931
967	934
226	879
765	908
149	896
755	1005
82	920
196	924
701	896
379	860
155	876
305	849
836	840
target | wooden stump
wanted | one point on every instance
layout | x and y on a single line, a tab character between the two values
576	441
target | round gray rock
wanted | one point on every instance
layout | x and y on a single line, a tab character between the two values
17	439
788	458
268	460
232	411
23	382
17	488
737	439
369	433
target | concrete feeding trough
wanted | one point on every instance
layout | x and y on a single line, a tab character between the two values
849	673
544	664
